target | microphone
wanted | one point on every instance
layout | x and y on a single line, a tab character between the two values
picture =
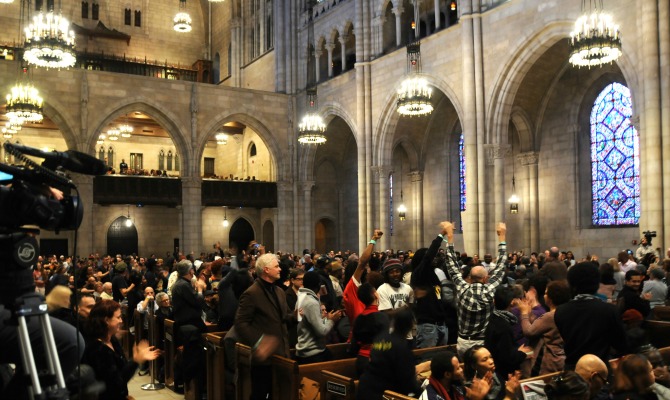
71	160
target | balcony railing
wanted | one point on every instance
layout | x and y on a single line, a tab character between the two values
147	190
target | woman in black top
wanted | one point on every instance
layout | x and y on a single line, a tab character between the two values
105	355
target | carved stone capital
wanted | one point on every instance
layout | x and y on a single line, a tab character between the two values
398	11
496	151
416	176
635	121
307	186
528	158
343	39
330	46
284	186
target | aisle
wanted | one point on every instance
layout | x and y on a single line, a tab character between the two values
135	389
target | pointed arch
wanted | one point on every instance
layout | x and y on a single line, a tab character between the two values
163	116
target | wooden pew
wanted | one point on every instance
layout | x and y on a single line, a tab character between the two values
661	313
217	384
341	386
192	388
170	351
243	371
391	395
659	333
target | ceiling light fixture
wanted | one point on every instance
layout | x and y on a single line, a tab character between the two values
182	21
596	39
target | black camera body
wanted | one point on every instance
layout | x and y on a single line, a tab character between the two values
649	234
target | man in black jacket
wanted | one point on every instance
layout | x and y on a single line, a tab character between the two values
629	297
587	324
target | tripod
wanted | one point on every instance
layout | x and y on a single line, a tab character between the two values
32	305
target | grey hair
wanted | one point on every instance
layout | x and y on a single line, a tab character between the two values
263	261
183	267
160	297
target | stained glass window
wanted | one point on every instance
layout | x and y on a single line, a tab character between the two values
461	171
391	203
615	159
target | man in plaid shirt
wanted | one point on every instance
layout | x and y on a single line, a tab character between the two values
475	298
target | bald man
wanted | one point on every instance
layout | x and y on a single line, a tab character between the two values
475	298
594	371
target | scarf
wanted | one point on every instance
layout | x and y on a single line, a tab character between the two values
435	383
507	316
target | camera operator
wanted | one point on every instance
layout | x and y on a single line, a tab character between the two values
645	248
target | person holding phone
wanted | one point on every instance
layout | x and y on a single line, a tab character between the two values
313	327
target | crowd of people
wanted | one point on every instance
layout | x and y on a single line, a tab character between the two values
510	315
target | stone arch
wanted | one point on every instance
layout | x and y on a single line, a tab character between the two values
168	120
410	150
524	128
243	230
325	234
329	112
263	132
507	84
383	137
64	124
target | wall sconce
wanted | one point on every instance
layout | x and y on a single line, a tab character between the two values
129	222
225	217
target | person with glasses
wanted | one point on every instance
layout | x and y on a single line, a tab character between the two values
594	371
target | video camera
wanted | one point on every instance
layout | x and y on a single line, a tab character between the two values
648	235
27	198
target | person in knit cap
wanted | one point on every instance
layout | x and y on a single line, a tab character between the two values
393	294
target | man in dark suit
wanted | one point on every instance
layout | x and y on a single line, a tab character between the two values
261	323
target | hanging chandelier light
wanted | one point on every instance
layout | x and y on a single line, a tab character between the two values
221	138
11	1
216	1
452	6
596	39
125	130
24	103
13	124
312	129
8	133
49	41
225	217
101	138
182	21
113	134
414	93
513	199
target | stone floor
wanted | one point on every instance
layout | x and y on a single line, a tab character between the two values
135	389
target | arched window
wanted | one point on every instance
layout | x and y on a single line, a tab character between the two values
461	171
126	16
110	156
138	18
391	203
161	160
615	159
252	150
169	160
176	162
101	154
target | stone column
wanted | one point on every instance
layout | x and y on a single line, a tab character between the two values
437	14
308	218
88	228
285	234
236	51
398	25
471	215
664	40
651	181
498	152
317	58
343	43
416	178
383	173
329	48
532	215
191	214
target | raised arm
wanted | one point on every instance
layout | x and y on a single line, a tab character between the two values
424	274
367	253
499	271
452	263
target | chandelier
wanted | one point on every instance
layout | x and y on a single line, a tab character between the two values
13	124
24	103
113	134
221	138
101	139
11	1
125	130
49	42
414	93
312	129
182	21
595	39
8	133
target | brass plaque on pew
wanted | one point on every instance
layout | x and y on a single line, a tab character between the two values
336	388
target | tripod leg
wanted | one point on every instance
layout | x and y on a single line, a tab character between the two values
52	354
27	357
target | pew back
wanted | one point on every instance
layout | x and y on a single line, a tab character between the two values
391	395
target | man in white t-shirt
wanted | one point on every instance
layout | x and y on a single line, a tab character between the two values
394	294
